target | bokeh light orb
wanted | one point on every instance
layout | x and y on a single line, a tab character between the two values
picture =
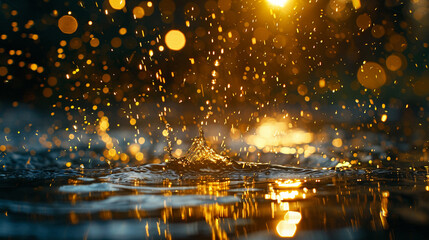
117	4
371	75
393	62
293	217
285	229
138	12
363	21
67	24
175	40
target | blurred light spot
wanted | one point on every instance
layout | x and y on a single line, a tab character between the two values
371	75
337	142
138	12
67	24
224	5
363	21
122	31
356	4
139	156
47	92
292	217
117	4
175	40
290	183
94	42
134	149
3	71
116	42
165	133
397	42
378	31
421	87
261	34
285	229
393	62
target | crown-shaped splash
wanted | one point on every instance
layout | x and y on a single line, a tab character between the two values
200	155
200	151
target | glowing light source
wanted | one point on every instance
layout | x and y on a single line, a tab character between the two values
286	229
175	40
279	3
384	118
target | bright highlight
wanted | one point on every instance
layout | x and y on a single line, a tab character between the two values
117	4
175	40
279	3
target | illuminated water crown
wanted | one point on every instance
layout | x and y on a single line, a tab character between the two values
201	155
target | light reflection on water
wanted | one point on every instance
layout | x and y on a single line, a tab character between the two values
211	207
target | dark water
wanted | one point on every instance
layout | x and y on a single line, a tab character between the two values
160	201
373	186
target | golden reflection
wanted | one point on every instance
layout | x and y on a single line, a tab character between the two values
293	217
383	211
285	229
290	183
288	226
286	190
215	188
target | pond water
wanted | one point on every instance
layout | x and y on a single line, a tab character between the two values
204	195
156	202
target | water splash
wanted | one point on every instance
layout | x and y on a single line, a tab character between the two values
200	156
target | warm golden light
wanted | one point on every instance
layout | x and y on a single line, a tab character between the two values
285	229
117	4
67	24
293	217
371	75
289	183
356	4
175	40
337	142
393	62
279	3
277	133
384	117
138	12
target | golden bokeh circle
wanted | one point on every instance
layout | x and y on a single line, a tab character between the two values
371	75
175	40
67	24
117	4
393	62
